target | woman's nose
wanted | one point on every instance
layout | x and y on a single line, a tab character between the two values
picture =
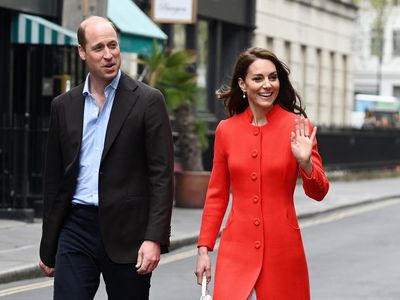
266	84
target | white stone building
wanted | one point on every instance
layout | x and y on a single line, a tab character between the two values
373	75
315	39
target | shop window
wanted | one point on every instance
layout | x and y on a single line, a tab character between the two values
179	36
202	62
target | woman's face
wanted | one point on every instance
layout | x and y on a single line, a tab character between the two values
261	84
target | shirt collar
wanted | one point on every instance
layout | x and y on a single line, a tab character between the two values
113	83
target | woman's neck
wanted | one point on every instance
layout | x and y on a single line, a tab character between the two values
259	116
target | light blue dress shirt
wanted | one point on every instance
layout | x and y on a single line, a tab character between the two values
93	137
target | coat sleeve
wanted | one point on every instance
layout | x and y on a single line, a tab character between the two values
159	151
315	185
217	194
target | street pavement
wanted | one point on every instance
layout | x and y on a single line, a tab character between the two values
19	241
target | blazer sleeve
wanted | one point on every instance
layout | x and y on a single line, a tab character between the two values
159	150
217	197
53	173
315	185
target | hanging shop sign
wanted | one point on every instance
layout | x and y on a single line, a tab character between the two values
174	11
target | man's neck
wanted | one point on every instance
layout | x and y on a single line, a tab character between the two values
97	87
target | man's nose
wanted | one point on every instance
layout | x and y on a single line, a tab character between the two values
107	53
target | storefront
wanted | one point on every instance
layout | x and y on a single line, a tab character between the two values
222	29
40	61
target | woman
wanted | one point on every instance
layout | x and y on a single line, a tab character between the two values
259	152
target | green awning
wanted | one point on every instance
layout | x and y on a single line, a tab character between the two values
28	29
136	30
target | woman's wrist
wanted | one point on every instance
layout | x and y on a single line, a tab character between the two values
306	166
202	250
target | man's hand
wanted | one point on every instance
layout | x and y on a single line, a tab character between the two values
46	271
148	257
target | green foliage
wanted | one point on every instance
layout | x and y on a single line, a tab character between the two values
201	130
169	72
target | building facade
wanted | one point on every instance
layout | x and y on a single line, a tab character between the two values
377	59
314	38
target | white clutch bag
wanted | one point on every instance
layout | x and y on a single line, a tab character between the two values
204	291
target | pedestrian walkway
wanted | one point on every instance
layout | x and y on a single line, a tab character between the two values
19	243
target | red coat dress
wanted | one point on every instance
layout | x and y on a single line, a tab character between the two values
261	245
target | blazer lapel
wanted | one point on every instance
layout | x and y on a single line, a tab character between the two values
74	118
123	102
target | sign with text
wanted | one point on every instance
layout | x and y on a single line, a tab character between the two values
174	11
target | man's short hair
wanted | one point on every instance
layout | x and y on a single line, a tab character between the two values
81	29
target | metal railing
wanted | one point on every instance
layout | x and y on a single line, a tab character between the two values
22	149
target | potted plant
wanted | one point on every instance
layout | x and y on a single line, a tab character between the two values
170	72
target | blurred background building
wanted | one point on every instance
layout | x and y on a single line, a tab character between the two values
314	38
377	48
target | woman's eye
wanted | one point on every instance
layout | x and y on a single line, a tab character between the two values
273	78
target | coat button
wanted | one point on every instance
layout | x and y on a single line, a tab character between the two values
254	153
257	244
257	221
255	199
254	176
256	131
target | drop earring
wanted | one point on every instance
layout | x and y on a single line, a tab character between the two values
244	95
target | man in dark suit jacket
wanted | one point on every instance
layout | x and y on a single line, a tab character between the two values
108	178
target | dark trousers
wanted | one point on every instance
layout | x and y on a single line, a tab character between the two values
81	258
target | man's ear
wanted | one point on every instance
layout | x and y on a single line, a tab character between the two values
82	52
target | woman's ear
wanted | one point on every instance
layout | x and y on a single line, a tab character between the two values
242	84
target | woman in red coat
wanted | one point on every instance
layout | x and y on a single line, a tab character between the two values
259	152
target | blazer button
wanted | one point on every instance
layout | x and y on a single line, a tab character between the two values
256	131
255	199
257	244
257	221
254	153
254	176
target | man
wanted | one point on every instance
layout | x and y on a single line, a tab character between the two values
108	178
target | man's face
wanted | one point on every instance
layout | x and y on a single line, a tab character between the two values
101	53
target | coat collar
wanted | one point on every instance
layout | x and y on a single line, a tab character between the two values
271	116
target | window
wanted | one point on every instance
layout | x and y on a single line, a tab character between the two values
270	43
396	91
376	42
202	62
396	43
179	36
288	57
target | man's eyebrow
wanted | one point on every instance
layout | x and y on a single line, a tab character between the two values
97	45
